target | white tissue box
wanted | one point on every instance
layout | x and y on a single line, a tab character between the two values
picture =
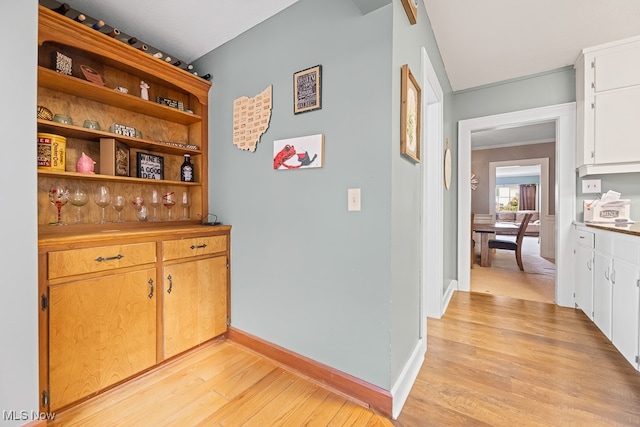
605	213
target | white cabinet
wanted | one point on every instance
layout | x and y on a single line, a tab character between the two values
603	265
583	269
607	98
625	299
615	277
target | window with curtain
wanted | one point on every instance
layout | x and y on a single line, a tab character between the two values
528	197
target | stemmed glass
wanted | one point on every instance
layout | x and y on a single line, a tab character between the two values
59	196
185	203
78	198
154	202
102	199
118	204
169	201
141	209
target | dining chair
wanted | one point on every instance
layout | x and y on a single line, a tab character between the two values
510	245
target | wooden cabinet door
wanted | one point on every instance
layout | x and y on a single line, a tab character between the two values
101	331
212	275
194	303
180	308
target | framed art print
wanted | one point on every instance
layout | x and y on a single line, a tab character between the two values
150	166
307	94
411	9
410	115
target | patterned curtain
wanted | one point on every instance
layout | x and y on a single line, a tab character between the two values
528	197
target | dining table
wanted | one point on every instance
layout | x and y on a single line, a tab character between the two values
486	230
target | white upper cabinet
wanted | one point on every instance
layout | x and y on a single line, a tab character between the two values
608	103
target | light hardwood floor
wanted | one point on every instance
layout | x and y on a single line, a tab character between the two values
220	384
491	361
500	361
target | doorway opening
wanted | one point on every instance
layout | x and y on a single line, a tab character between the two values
517	187
563	119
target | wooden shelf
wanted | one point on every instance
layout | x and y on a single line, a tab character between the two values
110	178
72	131
85	89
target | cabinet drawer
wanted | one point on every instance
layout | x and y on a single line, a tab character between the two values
184	248
100	258
585	238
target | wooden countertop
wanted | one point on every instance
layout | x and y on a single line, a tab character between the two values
48	235
632	229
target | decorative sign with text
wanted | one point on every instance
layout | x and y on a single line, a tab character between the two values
150	166
306	90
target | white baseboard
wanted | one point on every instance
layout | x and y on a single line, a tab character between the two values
448	294
402	387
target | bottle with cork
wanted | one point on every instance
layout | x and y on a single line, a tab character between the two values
186	170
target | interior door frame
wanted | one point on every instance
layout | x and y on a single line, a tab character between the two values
564	116
543	207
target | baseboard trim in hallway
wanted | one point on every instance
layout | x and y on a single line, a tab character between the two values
368	394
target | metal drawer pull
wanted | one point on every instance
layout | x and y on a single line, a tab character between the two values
170	283
204	245
111	258
150	288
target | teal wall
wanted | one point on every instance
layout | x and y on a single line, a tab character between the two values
516	180
342	288
627	184
307	274
19	243
408	188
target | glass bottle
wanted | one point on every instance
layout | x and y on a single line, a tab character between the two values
186	170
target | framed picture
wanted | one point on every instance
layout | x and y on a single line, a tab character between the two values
411	9
307	90
150	166
303	152
410	115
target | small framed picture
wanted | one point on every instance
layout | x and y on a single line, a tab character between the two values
150	166
410	115
63	63
307	94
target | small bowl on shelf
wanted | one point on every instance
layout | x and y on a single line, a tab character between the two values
63	118
91	124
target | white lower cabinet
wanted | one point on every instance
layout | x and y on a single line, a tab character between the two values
583	270
602	292
625	303
616	286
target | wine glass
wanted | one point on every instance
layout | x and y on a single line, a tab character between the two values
118	204
154	202
102	199
78	198
185	203
58	196
169	201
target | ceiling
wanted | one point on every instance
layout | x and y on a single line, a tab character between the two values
481	41
488	41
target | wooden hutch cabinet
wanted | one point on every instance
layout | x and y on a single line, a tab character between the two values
118	298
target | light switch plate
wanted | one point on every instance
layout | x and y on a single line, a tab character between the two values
353	202
591	186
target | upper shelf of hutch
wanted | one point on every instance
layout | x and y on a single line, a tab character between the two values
70	33
85	89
